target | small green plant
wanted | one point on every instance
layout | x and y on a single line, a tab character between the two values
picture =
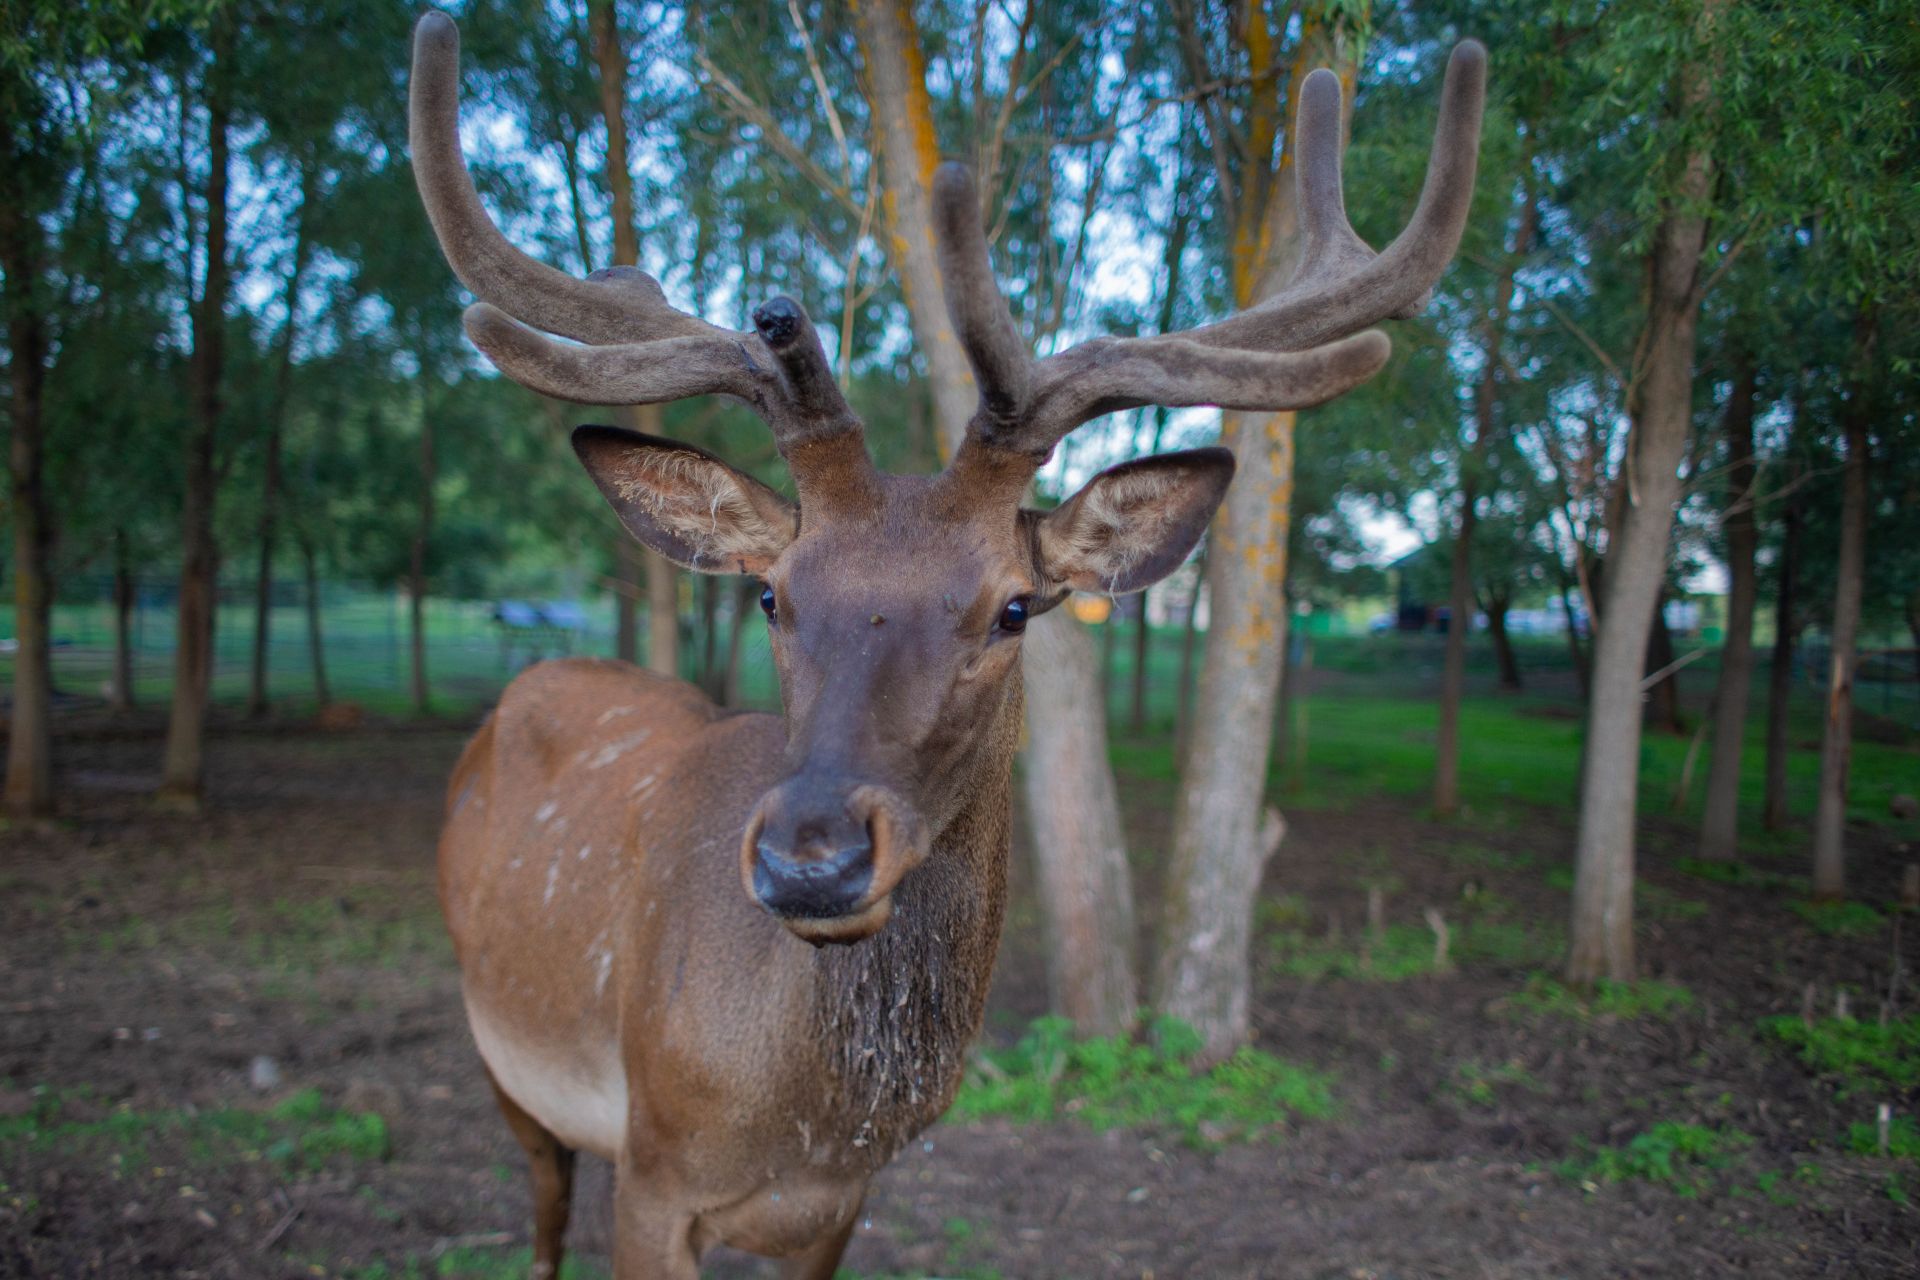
1657	903
1479	1084
1863	1057
1671	1154
302	1132
1840	919
1480	857
1645	999
1397	953
1117	1082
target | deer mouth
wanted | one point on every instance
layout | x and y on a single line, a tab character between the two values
825	860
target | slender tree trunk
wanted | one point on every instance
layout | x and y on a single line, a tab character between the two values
1663	699
257	693
1786	631
1453	678
1066	753
736	634
29	785
663	587
1583	678
1720	823
1509	663
1446	769
120	696
1836	739
1142	638
183	770
316	648
417	565
1601	942
1189	644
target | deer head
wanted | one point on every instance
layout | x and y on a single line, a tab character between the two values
897	602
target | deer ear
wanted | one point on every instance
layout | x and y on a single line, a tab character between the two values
687	504
1132	524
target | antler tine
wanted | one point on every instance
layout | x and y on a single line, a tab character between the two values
1002	364
1336	290
586	310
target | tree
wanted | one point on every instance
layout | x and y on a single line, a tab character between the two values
1221	844
1719	824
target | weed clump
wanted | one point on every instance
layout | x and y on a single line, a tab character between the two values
1863	1057
1671	1154
1646	999
1118	1082
302	1132
1840	919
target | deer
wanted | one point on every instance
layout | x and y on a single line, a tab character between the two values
742	955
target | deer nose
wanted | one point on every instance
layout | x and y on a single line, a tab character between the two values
815	867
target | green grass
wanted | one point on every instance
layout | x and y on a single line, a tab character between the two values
1646	999
1840	919
1149	1083
302	1132
1671	1154
296	937
1403	951
1862	1058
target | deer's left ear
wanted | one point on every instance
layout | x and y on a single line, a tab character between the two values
1132	524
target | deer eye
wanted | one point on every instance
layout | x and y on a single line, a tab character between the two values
767	603
1013	618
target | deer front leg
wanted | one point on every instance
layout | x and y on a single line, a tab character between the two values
551	1165
823	1259
651	1241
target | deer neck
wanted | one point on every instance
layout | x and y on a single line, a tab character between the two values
894	1014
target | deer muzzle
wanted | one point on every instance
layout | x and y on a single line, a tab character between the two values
825	858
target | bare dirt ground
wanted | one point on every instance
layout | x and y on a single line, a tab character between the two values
147	961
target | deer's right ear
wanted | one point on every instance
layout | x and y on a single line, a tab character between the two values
687	504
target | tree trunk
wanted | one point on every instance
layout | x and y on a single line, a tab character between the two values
1203	972
29	785
629	584
1601	943
1583	677
663	588
316	650
1720	823
417	565
1836	739
1142	640
183	770
1446	768
257	695
1453	678
736	634
1509	662
1786	630
1088	900
120	696
1663	699
1189	642
1066	752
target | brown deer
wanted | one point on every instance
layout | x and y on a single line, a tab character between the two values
741	956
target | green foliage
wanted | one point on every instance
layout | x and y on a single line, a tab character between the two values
1400	952
1840	919
1649	998
1118	1082
1862	1057
1738	873
301	1132
472	1262
1671	1154
1903	1138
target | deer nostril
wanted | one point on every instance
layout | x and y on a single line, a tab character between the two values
818	878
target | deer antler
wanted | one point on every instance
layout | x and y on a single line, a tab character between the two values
639	348
1299	348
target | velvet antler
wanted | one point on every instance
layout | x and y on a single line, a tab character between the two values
1302	346
638	348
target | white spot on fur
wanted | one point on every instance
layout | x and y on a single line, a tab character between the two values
546	811
611	712
602	970
612	751
553	881
586	851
